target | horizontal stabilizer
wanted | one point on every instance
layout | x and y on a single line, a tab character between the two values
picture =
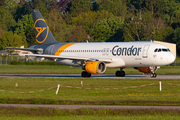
26	49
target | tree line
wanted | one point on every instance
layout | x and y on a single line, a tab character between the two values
92	20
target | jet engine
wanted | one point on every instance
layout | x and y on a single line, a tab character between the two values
95	67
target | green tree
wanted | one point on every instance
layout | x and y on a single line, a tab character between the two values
6	19
22	9
23	36
134	4
67	18
133	28
63	35
41	5
146	27
1	31
24	27
117	7
2	3
55	22
9	39
91	19
31	38
11	3
176	38
78	35
107	28
78	7
26	23
166	9
171	12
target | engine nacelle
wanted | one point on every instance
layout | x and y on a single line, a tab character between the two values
144	69
95	67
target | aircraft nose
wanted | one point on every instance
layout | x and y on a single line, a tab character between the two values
170	58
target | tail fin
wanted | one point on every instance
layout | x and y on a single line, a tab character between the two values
42	32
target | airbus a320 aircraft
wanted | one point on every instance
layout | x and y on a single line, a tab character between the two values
94	58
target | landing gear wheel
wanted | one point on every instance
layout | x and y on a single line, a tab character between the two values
120	73
153	75
85	74
89	75
117	73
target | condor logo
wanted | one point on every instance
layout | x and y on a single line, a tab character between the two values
126	51
41	30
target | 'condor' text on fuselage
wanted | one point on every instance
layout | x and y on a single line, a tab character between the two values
126	51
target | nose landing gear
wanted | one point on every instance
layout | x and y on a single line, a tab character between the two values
153	75
153	69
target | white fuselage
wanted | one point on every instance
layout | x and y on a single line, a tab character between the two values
122	54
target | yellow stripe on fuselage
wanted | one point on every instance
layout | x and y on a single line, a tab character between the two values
59	51
63	48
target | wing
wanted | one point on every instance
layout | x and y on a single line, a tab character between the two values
107	60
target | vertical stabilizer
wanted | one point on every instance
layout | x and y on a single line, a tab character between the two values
42	32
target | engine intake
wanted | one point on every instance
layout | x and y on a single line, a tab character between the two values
95	67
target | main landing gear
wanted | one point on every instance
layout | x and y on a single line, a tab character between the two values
85	74
120	73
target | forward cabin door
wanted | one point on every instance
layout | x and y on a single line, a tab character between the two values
145	51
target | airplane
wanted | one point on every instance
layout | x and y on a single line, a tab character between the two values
95	57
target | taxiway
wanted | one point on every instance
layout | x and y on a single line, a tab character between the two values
75	107
105	76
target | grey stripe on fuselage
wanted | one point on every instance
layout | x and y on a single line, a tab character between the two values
50	49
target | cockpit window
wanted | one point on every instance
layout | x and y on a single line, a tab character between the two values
164	50
161	50
156	50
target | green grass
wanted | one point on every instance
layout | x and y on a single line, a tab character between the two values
150	117
50	69
148	95
145	95
81	114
